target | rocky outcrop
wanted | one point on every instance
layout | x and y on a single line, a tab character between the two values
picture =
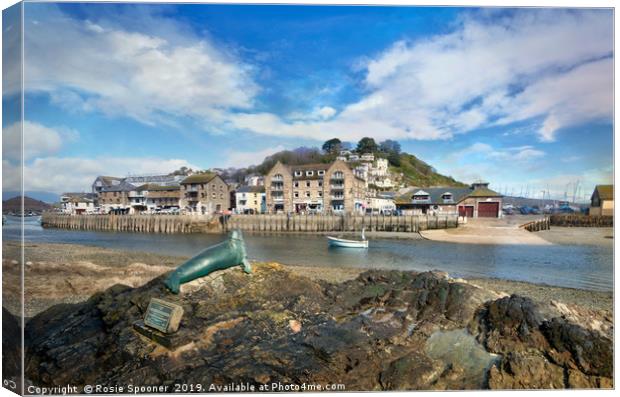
369	333
540	348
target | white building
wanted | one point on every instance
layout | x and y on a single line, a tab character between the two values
380	205
367	157
255	180
77	203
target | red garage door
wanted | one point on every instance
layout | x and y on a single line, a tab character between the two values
488	210
466	210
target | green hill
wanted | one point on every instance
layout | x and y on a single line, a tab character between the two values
406	167
416	172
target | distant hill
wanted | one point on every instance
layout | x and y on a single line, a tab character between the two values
15	205
47	197
415	172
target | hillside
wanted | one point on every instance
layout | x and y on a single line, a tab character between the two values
418	173
415	172
14	205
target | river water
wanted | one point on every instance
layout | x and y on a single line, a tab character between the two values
578	266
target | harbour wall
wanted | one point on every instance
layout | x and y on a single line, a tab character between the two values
257	223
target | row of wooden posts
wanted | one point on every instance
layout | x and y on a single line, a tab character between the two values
538	225
258	223
580	220
133	223
339	223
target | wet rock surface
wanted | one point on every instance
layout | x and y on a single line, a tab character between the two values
369	333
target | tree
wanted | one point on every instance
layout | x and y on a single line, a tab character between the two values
389	146
394	159
332	146
367	145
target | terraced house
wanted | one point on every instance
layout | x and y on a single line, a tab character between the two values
312	188
205	194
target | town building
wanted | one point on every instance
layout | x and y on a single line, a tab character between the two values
102	182
78	203
380	205
312	188
250	200
602	200
151	197
205	194
115	197
155	179
473	202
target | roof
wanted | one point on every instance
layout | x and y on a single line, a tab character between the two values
435	194
251	189
83	197
121	187
154	187
605	192
484	192
198	178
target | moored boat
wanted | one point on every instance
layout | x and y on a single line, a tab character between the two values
345	243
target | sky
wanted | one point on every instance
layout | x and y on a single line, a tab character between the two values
521	98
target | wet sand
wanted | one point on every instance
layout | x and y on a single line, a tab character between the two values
69	273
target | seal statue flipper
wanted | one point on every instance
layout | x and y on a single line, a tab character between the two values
228	253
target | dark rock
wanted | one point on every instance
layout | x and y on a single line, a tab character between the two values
368	334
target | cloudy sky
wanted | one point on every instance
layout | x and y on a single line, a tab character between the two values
520	97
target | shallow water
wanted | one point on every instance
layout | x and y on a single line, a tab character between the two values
578	266
458	348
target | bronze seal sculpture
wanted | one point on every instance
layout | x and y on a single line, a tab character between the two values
228	253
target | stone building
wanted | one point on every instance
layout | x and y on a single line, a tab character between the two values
115	197
314	188
602	200
205	194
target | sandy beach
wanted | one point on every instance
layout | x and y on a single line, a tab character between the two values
70	273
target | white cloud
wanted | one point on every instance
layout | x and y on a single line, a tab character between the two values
63	174
245	159
39	140
552	66
88	66
548	64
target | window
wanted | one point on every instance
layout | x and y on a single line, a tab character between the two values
221	195
296	194
308	194
320	183
298	173
213	194
446	196
338	175
309	173
320	173
320	194
296	184
307	183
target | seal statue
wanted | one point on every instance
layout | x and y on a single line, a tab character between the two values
228	253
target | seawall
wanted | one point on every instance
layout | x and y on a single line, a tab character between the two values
257	223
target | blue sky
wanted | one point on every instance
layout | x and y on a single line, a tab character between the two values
514	96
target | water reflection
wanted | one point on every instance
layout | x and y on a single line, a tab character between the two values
578	266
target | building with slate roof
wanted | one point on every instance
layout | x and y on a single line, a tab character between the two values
474	201
602	200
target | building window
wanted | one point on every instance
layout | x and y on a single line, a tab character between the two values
296	184
320	194
338	175
320	183
296	194
309	173
307	183
222	195
213	194
321	173
308	194
298	173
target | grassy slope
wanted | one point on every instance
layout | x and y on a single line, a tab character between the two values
418	173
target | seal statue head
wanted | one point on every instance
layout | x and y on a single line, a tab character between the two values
236	235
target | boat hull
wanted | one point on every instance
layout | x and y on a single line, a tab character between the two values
339	242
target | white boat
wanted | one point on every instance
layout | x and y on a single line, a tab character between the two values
344	243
